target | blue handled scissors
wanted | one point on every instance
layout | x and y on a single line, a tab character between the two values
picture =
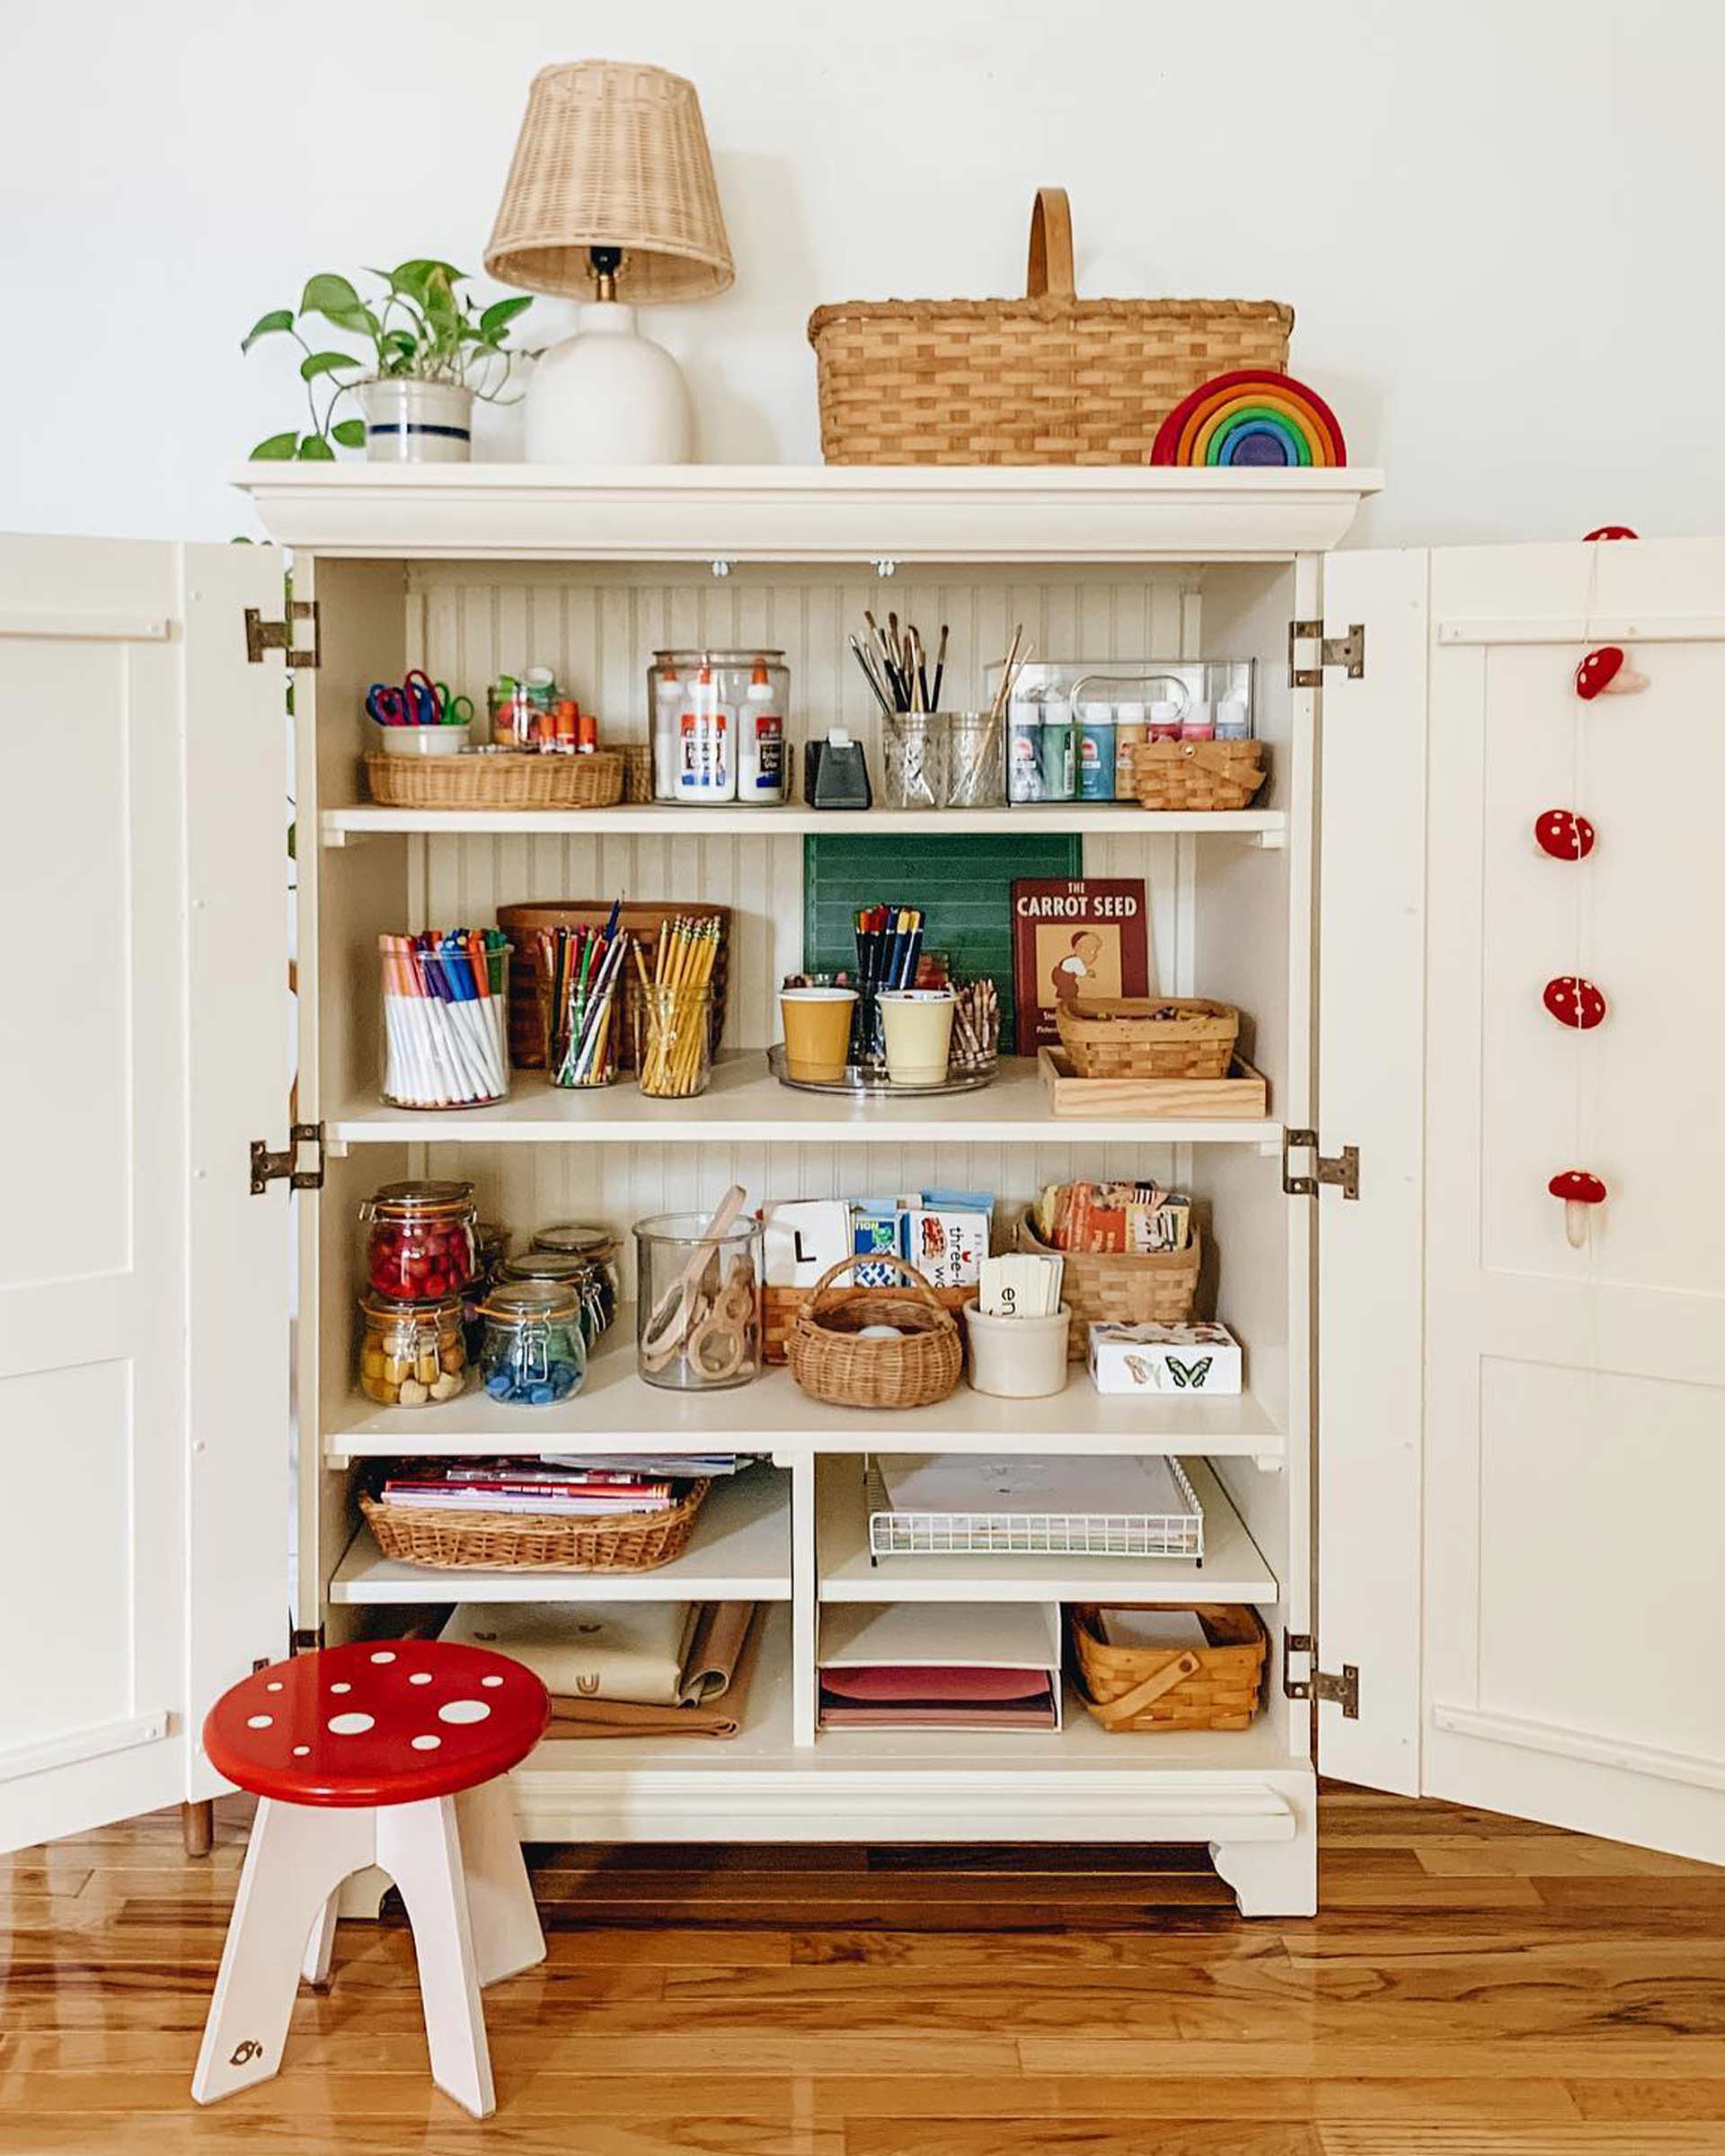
416	702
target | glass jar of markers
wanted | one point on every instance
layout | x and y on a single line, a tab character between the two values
422	1243
583	1279
411	1353
533	1354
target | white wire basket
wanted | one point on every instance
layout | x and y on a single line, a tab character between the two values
1176	1532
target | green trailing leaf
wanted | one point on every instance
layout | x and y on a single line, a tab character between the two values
324	362
416	278
499	315
349	433
268	325
315	450
326	292
276	449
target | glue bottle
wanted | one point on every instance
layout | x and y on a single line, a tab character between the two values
706	767
668	711
760	743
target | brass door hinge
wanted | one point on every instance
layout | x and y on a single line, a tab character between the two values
1341	1169
1346	651
261	636
304	1642
288	1166
1341	1692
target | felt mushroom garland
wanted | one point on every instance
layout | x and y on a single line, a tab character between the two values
1609	531
1607	673
1581	1191
1563	834
1574	1002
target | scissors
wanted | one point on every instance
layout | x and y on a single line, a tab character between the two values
452	711
416	702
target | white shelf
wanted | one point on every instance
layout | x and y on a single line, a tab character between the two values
743	513
1233	1571
739	1552
615	1410
747	1105
1262	827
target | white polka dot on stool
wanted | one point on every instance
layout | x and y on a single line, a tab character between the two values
341	1688
427	1744
384	1656
259	1721
491	1682
464	1710
421	1676
349	1725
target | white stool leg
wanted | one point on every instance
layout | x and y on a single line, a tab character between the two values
319	1946
419	1845
298	1856
501	1910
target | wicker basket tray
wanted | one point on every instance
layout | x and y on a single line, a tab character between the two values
1119	1288
830	1363
1050	379
782	1306
1121	1037
645	921
1198	774
505	1541
503	781
1137	1689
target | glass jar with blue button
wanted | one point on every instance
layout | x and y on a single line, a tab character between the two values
533	1354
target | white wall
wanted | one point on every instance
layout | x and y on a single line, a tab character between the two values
1498	219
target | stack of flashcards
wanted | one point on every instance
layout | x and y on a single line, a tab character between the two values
1021	1287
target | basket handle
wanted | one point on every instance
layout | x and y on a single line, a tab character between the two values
1145	1694
858	1257
1050	274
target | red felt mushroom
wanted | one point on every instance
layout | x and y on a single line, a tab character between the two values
1574	1002
1607	673
1611	531
1563	834
1580	1191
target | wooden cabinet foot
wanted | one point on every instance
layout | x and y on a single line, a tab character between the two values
197	1826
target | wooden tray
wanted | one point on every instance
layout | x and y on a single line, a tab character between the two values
1243	1094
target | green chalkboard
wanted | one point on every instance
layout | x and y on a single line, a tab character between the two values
963	883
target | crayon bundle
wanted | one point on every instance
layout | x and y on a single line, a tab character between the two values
445	1018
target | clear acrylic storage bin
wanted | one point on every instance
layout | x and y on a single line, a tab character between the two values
1071	725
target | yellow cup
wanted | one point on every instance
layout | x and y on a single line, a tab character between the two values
816	1033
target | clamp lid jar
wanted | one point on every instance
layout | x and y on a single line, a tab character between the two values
411	1352
422	1243
532	1353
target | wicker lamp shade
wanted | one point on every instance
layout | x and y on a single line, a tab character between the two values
612	154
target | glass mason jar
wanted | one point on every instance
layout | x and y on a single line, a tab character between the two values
587	1239
719	726
533	1354
698	1323
583	1279
411	1353
674	1041
421	1245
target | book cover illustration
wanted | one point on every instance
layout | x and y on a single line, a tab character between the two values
1075	938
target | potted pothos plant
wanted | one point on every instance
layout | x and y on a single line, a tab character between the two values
426	354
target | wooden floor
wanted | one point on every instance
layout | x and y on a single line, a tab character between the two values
1473	1988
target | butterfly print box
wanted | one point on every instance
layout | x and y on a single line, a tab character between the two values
1164	1358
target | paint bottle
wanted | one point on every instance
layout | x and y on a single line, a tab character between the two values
706	766
1199	722
761	772
668	712
1095	752
1055	750
1233	719
1024	747
1130	729
1165	721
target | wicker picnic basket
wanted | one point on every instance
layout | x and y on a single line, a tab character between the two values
782	1306
1218	1686
1123	1036
644	919
1048	379
831	1363
508	1542
1120	1287
1198	774
505	779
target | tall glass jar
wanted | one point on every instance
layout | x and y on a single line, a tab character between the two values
721	727
411	1353
532	1354
421	1244
698	1325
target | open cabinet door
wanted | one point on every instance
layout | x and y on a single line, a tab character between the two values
143	1290
1568	1461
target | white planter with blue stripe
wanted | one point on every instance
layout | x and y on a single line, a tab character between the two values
413	422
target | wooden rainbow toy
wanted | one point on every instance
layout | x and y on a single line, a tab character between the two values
1251	417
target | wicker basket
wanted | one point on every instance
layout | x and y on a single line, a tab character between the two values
1219	1686
501	781
644	921
504	1541
782	1306
1120	1287
637	773
1198	774
830	1363
1120	1037
1050	379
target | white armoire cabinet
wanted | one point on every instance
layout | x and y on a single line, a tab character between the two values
1474	1485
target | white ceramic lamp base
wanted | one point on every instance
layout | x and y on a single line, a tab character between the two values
608	395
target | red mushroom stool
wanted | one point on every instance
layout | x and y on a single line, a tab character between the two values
390	1753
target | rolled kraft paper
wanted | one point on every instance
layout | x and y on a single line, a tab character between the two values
1259	443
1253	419
1274	409
716	1650
622	1717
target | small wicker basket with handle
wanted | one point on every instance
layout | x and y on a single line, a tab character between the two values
1217	1686
1048	379
1198	774
1123	1037
1120	1287
782	1306
830	1362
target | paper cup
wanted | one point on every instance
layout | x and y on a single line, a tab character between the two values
816	1033
918	1024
